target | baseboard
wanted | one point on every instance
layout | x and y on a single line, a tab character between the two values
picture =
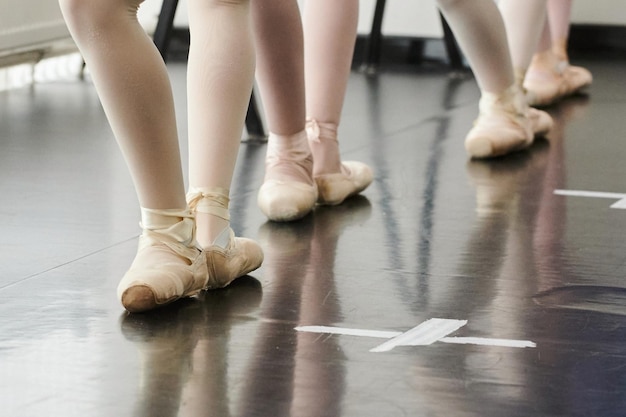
586	41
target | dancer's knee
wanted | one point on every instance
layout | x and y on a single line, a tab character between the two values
84	15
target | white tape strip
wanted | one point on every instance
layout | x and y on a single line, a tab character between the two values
489	342
620	204
350	332
593	194
424	334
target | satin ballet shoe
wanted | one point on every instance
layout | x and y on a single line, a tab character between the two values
168	266
545	87
541	123
505	124
334	187
288	192
229	257
577	78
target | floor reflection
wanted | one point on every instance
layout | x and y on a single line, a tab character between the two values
184	351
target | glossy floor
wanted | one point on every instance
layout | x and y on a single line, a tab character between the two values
499	249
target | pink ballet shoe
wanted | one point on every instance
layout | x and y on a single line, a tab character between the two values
168	266
577	78
229	257
352	178
505	124
545	88
333	189
288	191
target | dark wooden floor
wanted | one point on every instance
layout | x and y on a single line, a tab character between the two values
498	249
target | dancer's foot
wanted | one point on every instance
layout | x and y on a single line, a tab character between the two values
336	180
505	124
168	265
227	257
288	191
549	79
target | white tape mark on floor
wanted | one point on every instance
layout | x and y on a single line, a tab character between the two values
489	342
349	332
621	197
427	333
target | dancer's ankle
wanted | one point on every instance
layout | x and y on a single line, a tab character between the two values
176	223
324	146
212	216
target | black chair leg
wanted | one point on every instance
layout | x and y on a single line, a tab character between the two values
372	58
452	48
165	24
254	123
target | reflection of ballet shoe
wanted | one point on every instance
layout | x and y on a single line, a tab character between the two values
174	323
570	108
242	297
282	240
182	323
356	210
498	181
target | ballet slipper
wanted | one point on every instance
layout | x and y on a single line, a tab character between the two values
544	88
576	78
168	266
505	124
353	177
288	191
229	257
547	86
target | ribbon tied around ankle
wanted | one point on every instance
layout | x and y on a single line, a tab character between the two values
209	200
316	130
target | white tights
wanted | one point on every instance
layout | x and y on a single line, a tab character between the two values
304	73
132	82
524	21
480	32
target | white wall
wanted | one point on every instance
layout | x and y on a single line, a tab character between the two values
602	12
420	18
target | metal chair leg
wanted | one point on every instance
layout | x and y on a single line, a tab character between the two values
165	24
254	123
372	59
452	49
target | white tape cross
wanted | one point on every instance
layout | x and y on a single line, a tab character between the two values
426	333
